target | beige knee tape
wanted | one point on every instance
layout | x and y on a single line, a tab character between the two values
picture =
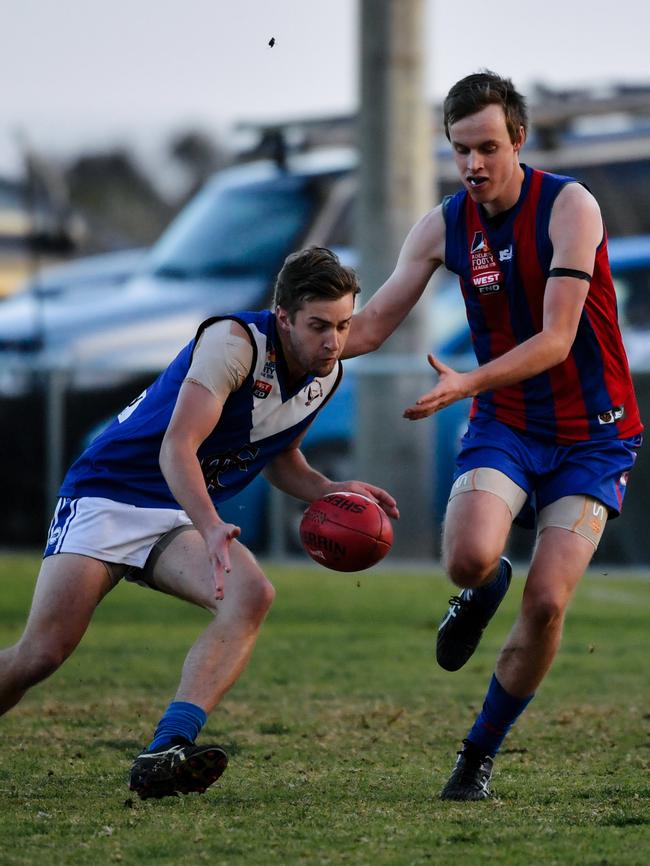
581	514
491	481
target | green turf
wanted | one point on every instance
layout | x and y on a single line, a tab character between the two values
341	733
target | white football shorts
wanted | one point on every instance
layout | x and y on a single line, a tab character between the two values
110	531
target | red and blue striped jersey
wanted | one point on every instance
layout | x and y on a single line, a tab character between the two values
503	265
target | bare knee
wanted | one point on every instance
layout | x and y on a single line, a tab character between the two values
259	598
543	612
35	661
248	597
476	528
470	566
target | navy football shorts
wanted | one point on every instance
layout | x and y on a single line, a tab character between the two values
547	471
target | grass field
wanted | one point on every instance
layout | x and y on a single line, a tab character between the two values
341	733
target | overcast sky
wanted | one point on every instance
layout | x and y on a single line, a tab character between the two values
86	73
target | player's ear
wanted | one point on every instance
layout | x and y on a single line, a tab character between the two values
520	139
282	318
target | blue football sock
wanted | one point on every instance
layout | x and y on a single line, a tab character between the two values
181	719
500	711
492	592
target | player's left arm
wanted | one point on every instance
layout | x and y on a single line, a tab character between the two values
575	229
290	472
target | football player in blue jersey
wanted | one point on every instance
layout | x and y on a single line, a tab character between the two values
142	502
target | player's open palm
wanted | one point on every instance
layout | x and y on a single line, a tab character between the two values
450	387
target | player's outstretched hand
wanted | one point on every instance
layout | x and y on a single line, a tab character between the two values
450	387
383	499
218	543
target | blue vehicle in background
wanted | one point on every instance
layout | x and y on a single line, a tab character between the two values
108	328
331	438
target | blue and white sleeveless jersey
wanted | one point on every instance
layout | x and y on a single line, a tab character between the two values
258	421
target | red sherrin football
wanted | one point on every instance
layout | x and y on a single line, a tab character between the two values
346	532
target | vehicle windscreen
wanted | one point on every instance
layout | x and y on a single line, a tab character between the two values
236	231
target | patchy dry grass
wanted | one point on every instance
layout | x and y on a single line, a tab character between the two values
340	733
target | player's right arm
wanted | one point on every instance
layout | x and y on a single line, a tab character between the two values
221	362
422	253
196	414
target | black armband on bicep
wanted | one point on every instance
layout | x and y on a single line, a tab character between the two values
570	272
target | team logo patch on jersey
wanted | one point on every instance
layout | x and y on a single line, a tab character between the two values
487	282
481	255
486	276
268	371
505	255
479	244
611	416
217	470
261	389
313	391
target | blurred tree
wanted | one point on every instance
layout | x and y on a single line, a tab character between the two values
199	155
121	206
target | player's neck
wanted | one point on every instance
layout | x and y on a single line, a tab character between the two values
294	373
509	196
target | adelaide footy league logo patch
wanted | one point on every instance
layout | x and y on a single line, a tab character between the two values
486	276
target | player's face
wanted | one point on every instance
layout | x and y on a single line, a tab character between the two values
314	340
486	159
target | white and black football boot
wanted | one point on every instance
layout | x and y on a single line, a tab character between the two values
470	778
179	768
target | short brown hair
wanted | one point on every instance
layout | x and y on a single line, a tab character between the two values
306	275
475	92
